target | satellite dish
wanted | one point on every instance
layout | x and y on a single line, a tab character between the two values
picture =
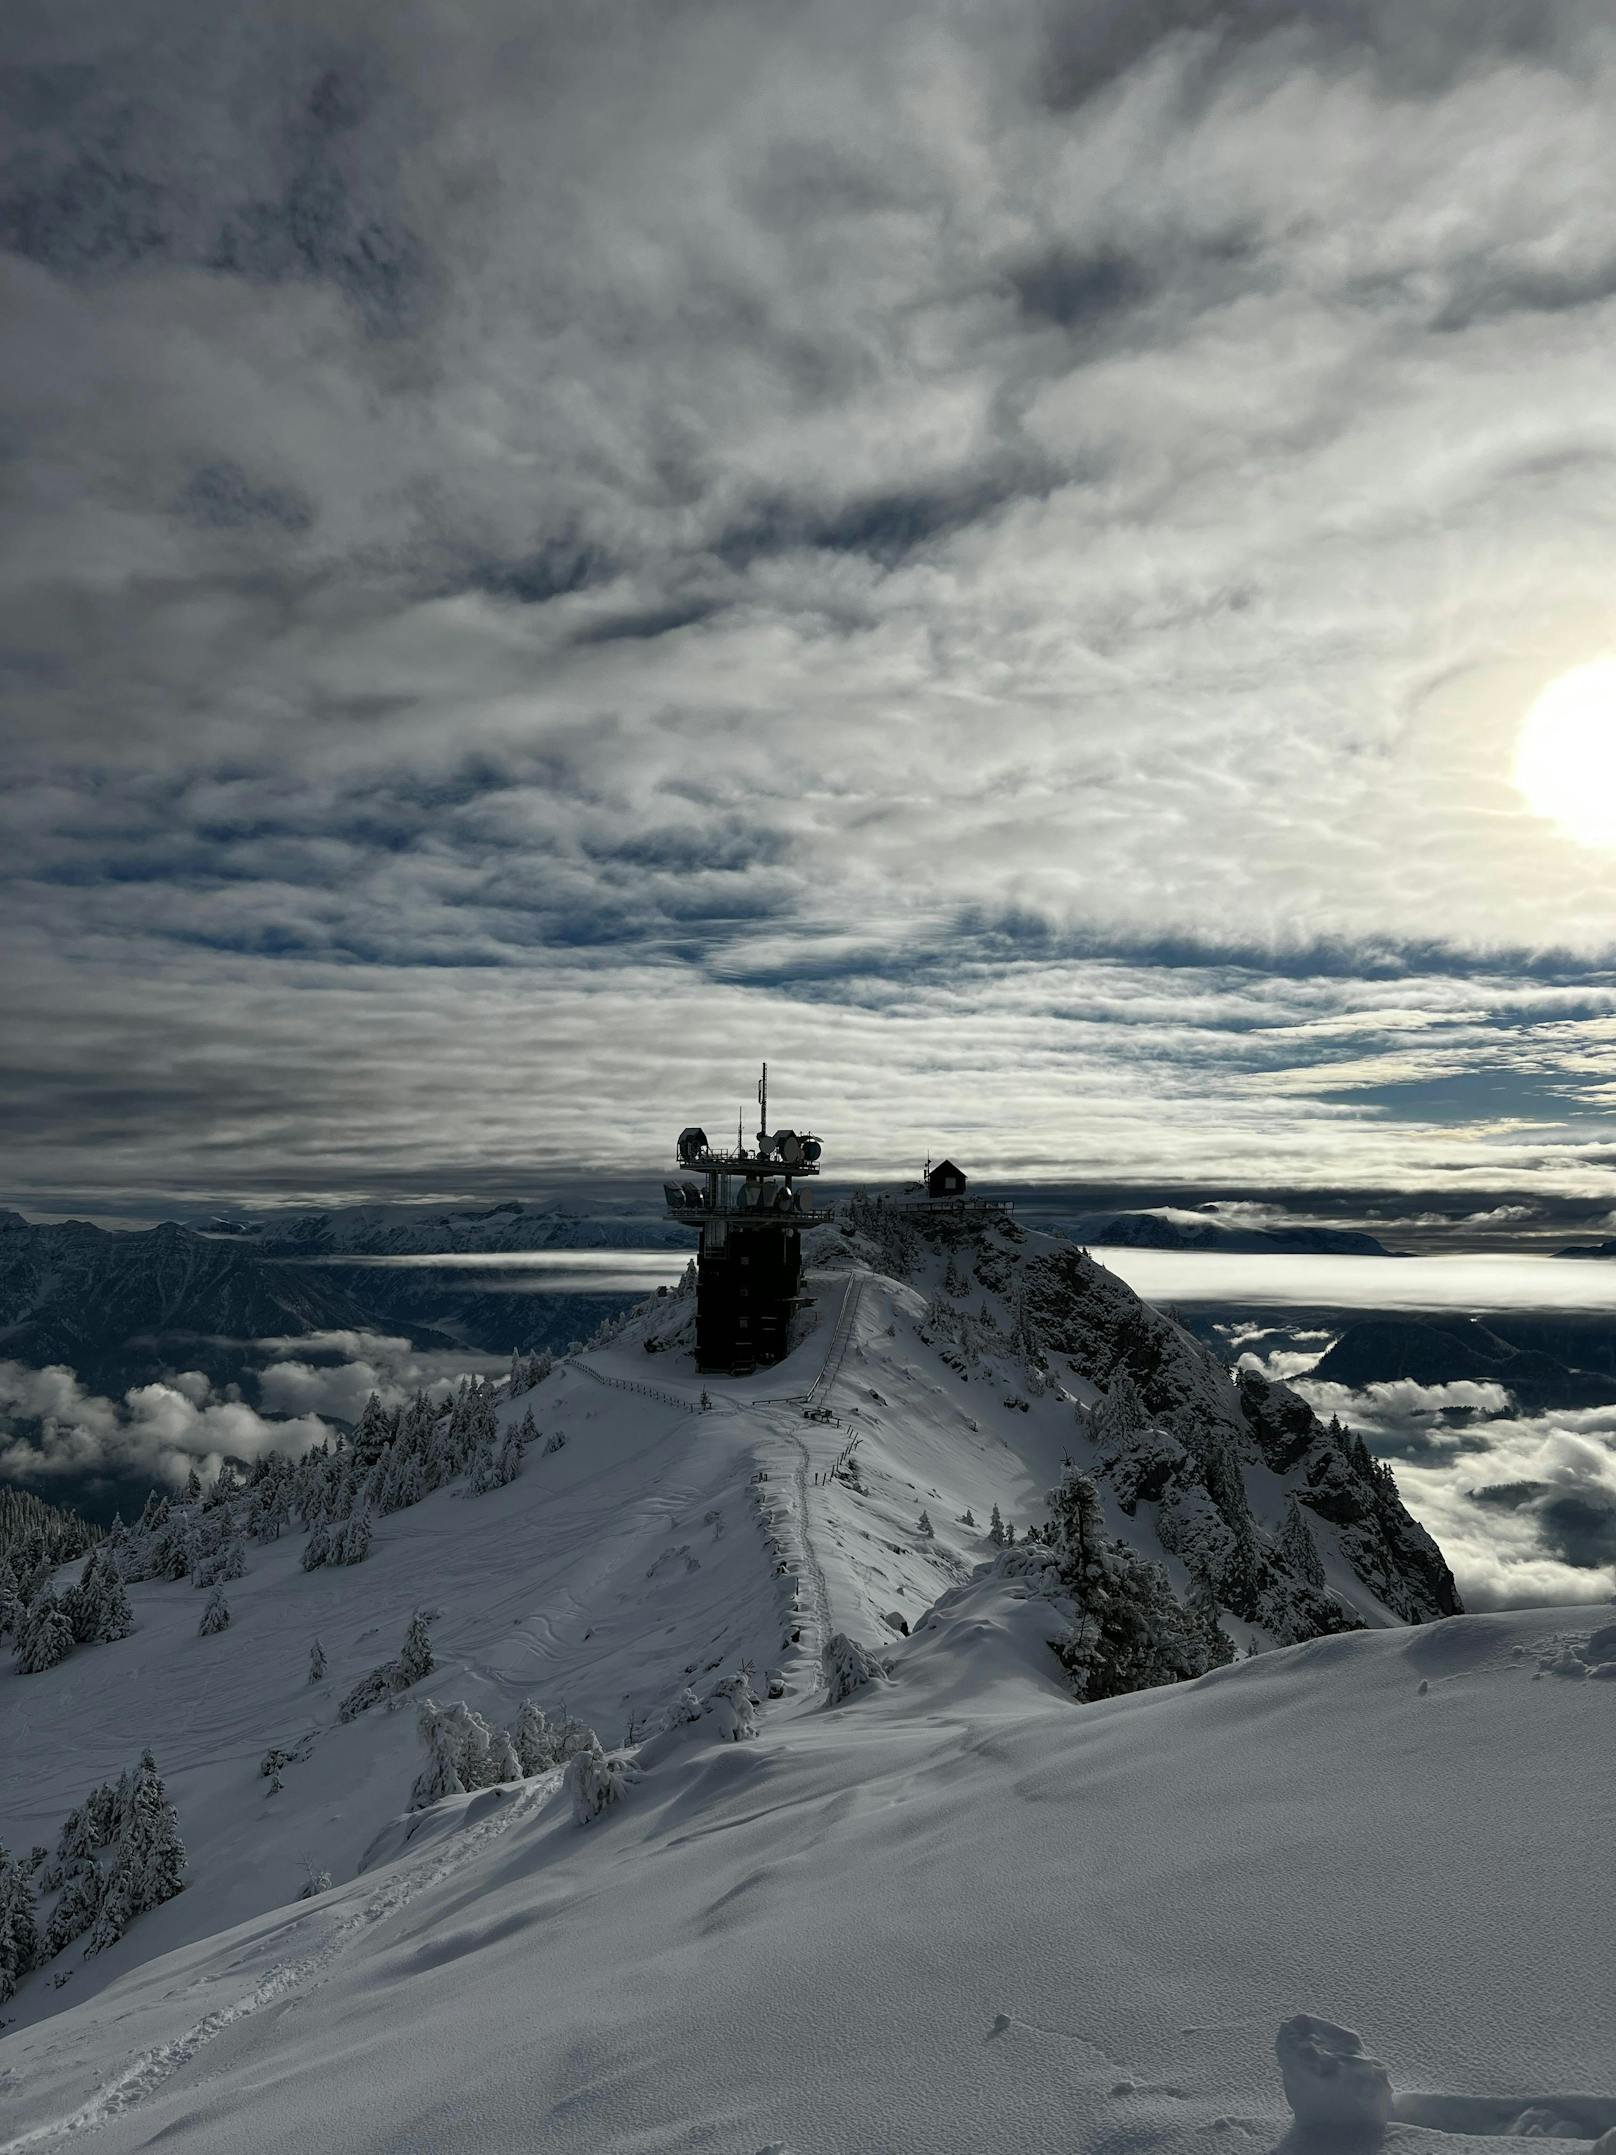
789	1146
811	1149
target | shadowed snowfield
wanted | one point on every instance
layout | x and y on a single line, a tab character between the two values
957	1912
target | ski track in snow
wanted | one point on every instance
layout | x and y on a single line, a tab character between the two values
814	1622
152	2070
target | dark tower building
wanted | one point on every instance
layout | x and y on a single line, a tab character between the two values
750	1216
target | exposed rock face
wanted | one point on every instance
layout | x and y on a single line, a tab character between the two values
1173	1432
1335	1477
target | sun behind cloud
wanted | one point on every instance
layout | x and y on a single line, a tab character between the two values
1565	761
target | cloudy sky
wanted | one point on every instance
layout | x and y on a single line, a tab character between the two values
996	556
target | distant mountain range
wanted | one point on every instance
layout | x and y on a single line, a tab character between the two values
1167	1227
114	1305
408	1230
1546	1361
122	1308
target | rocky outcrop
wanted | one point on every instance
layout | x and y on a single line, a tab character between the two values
1173	1436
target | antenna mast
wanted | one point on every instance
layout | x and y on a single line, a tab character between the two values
763	1107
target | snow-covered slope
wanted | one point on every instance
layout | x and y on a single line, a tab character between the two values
959	1911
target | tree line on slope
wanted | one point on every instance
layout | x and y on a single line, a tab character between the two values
30	1528
118	1854
336	1490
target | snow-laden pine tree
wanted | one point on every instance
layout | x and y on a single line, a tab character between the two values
996	1529
1121	1412
414	1660
355	1539
44	1636
316	1662
10	1600
216	1616
1206	1620
503	1763
19	1925
1297	1546
81	1604
149	1867
595	1782
733	1706
1131	1632
415	1657
440	1776
531	1736
849	1667
372	1432
925	1527
77	1907
115	1618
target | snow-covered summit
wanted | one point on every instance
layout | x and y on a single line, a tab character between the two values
693	1567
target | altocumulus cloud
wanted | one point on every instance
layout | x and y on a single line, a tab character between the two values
1001	549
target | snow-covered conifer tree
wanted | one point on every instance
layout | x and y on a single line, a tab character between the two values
1206	1621
226	1486
849	1667
148	1866
316	1662
1121	1412
355	1538
568	1737
415	1657
10	1600
1297	1546
81	1604
19	1925
733	1706
115	1619
216	1616
967	1517
1131	1632
76	1909
925	1527
531	1738
193	1487
44	1636
996	1529
440	1776
317	1549
595	1782
371	1432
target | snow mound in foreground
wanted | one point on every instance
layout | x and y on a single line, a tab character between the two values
953	1917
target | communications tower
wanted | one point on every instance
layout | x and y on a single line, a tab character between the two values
750	1215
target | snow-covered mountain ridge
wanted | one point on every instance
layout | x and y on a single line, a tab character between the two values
660	1549
417	1230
